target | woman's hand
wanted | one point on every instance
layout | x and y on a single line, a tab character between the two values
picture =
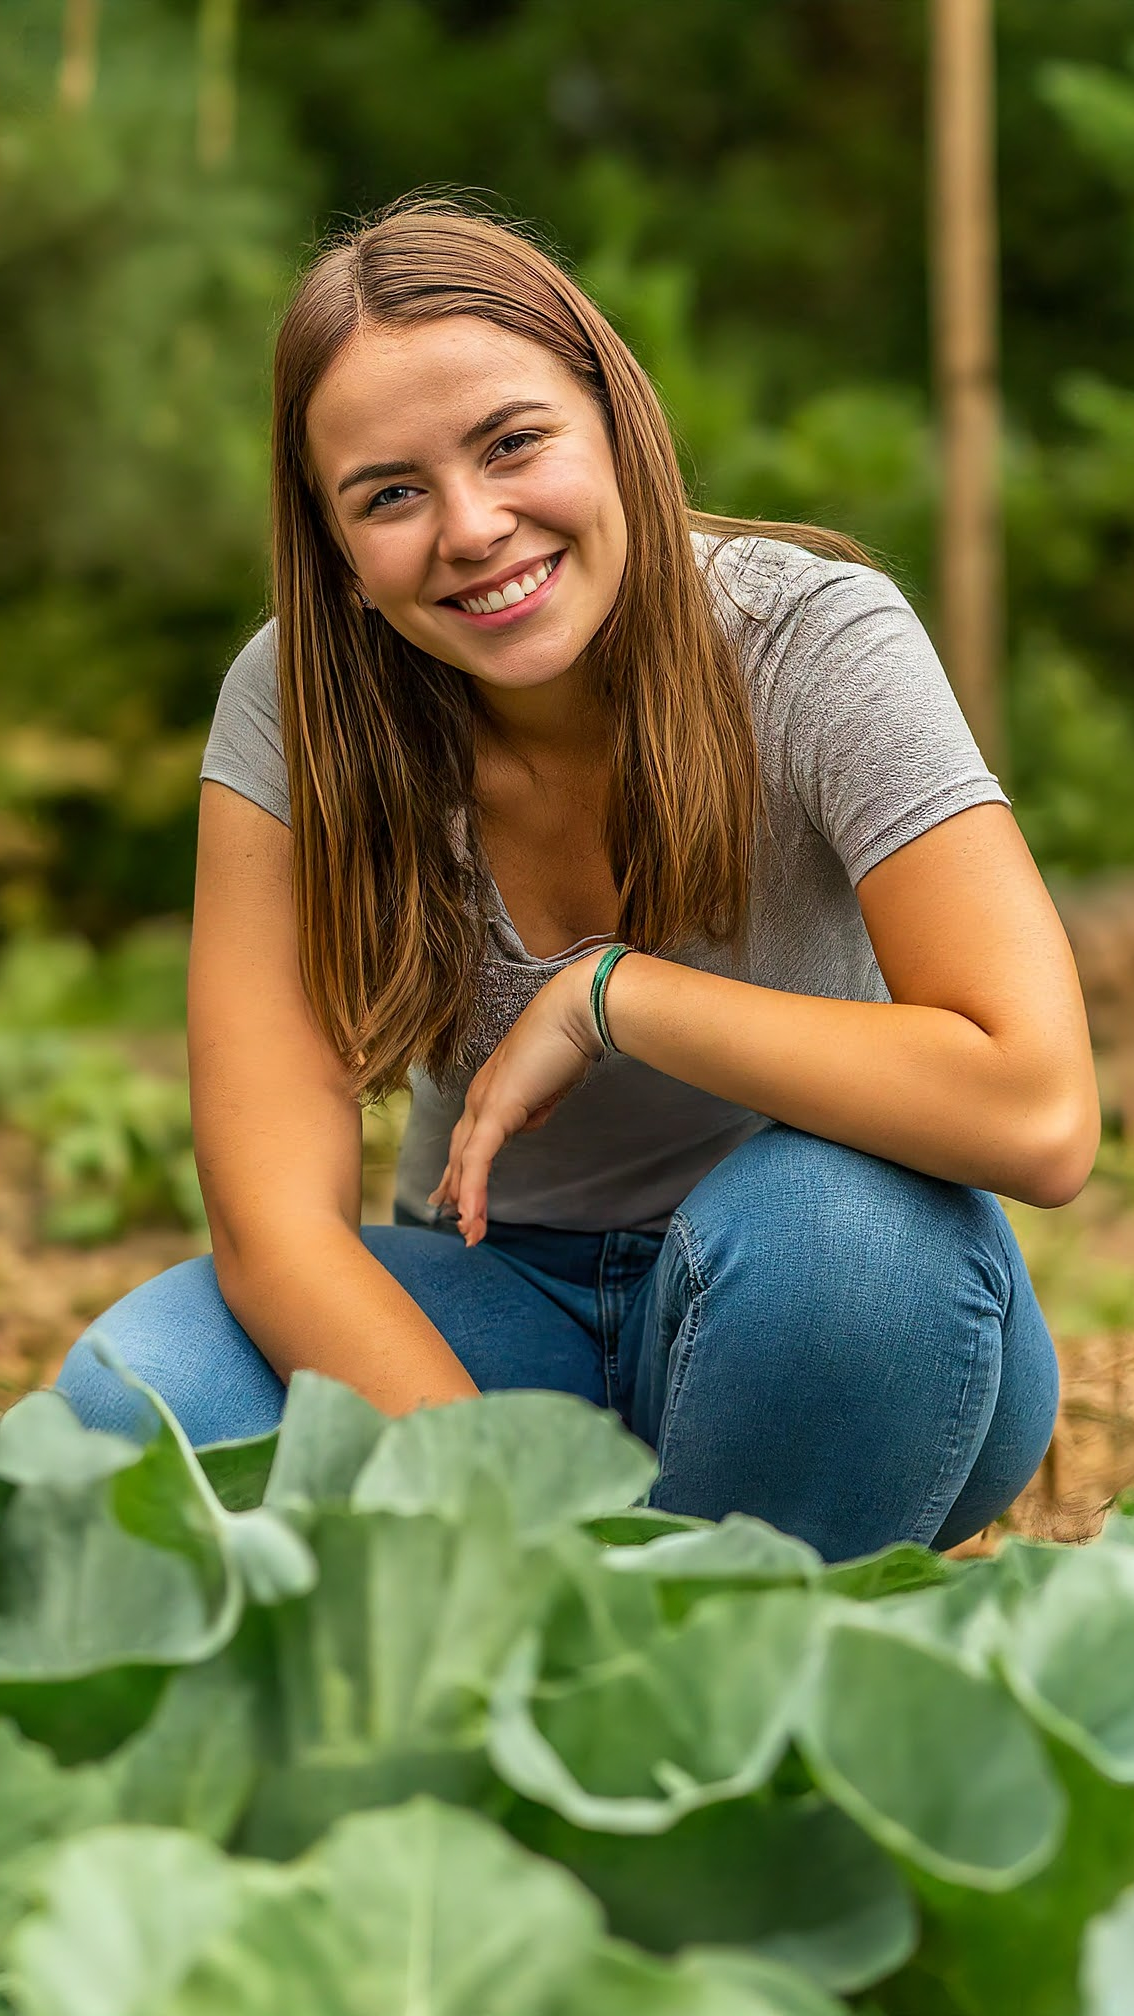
548	1050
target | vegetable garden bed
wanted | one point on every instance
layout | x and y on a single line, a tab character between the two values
433	1717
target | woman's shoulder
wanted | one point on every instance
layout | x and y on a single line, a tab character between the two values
244	749
766	578
793	614
254	667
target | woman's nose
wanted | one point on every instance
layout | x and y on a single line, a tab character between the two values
472	521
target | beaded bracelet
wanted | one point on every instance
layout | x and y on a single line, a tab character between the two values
603	970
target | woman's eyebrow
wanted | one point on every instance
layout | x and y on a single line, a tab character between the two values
373	472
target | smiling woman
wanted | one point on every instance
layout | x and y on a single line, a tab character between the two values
652	851
467	477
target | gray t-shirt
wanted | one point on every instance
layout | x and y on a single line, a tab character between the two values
862	747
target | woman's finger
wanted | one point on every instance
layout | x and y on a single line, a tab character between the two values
480	1151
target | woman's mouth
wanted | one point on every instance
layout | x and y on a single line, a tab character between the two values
513	600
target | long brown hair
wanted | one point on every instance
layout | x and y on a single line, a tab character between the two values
379	737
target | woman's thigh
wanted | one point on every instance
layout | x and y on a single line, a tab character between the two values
842	1346
178	1334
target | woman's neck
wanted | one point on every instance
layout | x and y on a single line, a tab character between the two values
551	731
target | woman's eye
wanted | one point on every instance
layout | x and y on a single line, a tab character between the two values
396	493
524	440
381	500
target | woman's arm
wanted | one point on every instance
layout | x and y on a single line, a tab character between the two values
278	1138
979	1070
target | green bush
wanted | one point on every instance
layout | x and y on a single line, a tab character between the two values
115	1142
115	1139
1073	746
435	1714
62	981
114	1136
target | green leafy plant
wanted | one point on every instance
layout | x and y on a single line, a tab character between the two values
437	1714
114	1136
115	1141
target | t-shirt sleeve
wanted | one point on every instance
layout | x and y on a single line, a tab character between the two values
244	749
877	746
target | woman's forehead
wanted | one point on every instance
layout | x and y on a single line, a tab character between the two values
432	382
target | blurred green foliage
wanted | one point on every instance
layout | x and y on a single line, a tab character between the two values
114	1138
115	1141
81	1033
742	188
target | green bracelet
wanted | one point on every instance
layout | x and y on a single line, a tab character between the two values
603	970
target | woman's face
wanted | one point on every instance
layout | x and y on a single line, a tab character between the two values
460	461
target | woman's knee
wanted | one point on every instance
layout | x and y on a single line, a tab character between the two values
1024	1419
177	1333
847	1353
816	1223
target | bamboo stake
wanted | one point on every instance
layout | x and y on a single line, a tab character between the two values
76	79
963	242
216	81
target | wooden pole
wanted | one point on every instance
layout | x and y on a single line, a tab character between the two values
216	81
963	262
76	79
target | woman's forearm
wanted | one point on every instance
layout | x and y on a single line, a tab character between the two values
312	1296
921	1086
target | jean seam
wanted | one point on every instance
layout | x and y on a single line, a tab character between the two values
937	1505
693	1256
610	1370
999	1224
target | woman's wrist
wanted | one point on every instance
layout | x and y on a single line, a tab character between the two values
606	965
581	976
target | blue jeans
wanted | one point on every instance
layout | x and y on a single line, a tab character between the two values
848	1349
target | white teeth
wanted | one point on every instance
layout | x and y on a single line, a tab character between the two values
511	593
